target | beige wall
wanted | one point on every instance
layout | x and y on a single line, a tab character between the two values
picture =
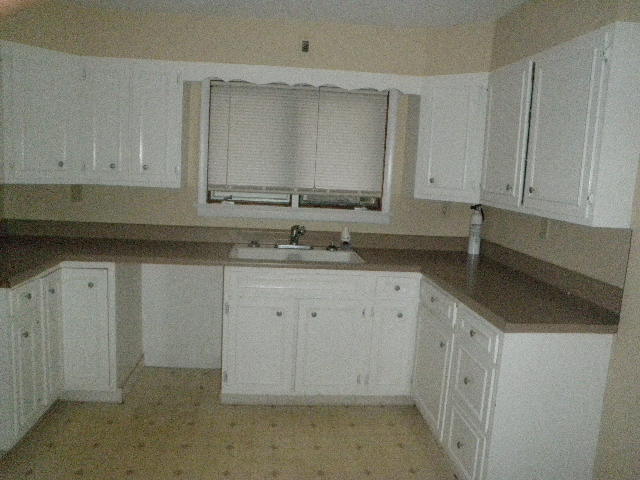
619	446
415	51
600	253
540	24
180	37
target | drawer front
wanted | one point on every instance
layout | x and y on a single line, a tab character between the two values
299	283
397	287
437	301
465	444
472	382
477	333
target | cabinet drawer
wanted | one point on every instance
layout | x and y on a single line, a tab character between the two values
472	382
396	287
437	301
477	333
464	443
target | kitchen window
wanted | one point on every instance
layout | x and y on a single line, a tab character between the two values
298	152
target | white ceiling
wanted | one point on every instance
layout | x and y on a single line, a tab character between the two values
407	13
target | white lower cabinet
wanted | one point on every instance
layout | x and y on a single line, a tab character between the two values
333	347
258	341
52	316
57	340
393	340
86	329
29	366
318	333
508	405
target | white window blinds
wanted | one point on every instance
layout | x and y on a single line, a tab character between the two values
295	139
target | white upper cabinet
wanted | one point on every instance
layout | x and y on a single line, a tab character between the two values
451	136
156	127
37	94
564	114
84	120
568	148
104	132
506	134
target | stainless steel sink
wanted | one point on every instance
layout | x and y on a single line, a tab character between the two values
319	254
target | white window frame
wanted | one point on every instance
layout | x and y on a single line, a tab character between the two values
382	216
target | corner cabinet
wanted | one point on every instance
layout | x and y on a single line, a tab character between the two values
560	138
92	121
508	405
58	341
451	137
302	335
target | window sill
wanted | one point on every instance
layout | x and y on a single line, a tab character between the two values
287	213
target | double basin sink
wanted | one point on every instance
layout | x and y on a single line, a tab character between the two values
294	253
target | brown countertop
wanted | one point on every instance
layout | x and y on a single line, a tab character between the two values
511	300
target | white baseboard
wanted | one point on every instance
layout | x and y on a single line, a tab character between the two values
245	399
109	396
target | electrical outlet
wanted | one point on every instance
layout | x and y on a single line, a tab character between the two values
305	46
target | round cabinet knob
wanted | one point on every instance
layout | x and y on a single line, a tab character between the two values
52	291
28	296
61	164
433	299
25	334
112	166
507	187
531	189
432	180
397	288
90	284
459	445
314	314
472	333
145	167
442	344
466	380
399	315
278	314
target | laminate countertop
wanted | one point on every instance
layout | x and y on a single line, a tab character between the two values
509	299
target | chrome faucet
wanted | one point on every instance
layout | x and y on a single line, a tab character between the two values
296	232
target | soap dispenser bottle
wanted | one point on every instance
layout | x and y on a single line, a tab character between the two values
345	239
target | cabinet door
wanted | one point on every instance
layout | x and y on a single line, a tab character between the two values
451	138
52	328
433	358
394	328
563	119
29	362
258	345
333	347
156	127
506	135
85	329
103	146
38	88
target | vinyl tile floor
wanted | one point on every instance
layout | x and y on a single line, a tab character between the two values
172	426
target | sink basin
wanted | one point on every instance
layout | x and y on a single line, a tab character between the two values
294	255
